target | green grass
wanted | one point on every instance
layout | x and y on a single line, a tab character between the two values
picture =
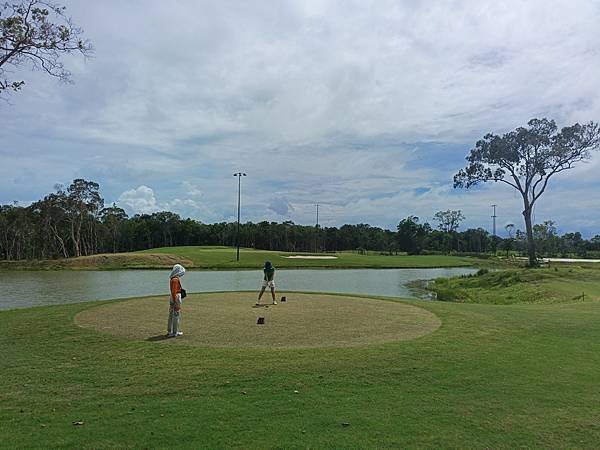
225	258
560	283
490	377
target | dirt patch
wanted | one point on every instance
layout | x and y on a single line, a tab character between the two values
120	261
230	320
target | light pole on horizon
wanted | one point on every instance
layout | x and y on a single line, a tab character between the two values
237	234
317	231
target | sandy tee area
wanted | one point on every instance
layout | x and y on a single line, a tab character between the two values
230	320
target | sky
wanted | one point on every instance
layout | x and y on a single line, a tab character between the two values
367	108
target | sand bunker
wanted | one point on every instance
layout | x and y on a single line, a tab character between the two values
570	260
229	320
310	257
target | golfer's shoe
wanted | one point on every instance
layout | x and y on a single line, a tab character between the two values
170	335
274	303
257	304
179	333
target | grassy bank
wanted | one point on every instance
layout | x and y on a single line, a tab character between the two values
225	258
490	377
548	285
108	261
195	257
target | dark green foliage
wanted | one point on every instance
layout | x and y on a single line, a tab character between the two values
411	235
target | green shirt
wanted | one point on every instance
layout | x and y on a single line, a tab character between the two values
269	273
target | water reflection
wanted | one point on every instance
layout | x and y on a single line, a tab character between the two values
22	289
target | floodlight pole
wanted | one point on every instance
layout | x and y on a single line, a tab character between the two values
317	231
237	234
494	219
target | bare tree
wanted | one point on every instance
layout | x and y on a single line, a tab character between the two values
35	34
526	159
449	221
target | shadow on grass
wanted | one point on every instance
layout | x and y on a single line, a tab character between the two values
158	337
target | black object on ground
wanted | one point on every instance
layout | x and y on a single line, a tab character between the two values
260	321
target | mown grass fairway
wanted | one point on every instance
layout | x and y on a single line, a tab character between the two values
304	320
490	377
195	257
225	258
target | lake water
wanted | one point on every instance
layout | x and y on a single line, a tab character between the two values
22	289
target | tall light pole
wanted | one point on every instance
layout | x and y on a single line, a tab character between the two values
494	219
237	234
317	231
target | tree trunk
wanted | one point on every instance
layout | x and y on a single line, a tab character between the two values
61	242
530	241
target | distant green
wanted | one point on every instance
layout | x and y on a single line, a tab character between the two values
510	376
195	257
225	258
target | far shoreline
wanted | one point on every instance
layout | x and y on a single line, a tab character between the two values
199	258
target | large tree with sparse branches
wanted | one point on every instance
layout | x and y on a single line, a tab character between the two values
526	159
35	34
449	221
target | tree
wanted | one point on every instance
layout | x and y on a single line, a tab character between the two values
526	159
113	217
449	220
84	204
546	238
508	243
510	229
411	235
36	33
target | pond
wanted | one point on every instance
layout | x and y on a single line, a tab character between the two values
33	288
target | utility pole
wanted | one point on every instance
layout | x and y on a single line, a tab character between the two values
494	219
237	234
317	230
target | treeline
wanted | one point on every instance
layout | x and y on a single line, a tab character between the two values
414	237
74	221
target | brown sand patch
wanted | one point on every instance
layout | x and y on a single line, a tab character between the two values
229	320
126	260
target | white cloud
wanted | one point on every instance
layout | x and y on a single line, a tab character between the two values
139	201
329	102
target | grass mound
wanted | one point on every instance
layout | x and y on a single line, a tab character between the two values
225	258
548	285
104	261
229	320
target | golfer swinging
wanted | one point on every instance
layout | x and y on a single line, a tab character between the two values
268	281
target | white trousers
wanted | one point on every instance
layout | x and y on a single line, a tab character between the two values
174	323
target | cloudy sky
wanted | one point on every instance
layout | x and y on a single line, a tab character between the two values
365	107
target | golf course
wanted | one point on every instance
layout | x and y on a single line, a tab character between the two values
223	258
487	368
